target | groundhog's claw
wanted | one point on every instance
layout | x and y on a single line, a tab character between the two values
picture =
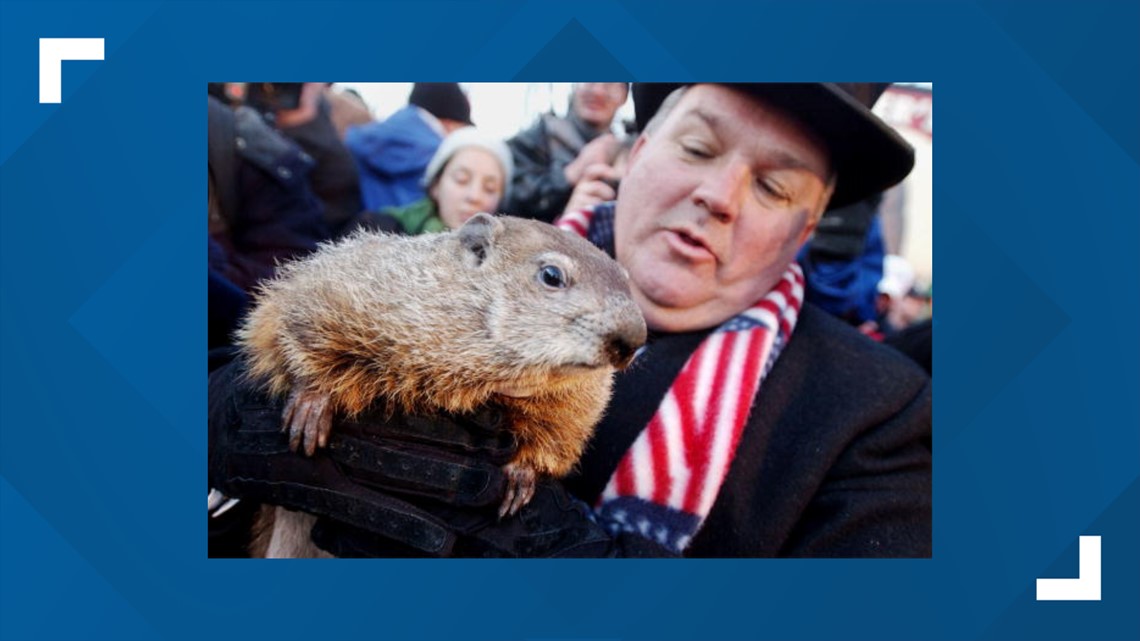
308	420
520	489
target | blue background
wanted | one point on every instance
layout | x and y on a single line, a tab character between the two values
1037	433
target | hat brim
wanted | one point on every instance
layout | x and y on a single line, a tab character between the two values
867	156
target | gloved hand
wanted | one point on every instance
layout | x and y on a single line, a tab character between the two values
398	486
552	525
360	476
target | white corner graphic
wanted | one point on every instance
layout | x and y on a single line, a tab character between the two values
1086	587
53	51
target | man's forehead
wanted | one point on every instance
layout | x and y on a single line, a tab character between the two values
778	136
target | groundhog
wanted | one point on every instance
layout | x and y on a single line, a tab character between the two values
504	310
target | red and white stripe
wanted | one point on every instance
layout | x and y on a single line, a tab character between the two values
682	456
576	221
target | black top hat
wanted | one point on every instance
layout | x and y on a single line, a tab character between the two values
867	155
444	100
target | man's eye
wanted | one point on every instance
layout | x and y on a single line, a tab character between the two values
696	151
774	190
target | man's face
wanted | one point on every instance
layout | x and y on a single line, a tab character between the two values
716	203
597	102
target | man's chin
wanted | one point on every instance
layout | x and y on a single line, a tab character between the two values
677	320
671	309
671	285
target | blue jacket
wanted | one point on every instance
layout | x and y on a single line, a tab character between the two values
392	156
846	289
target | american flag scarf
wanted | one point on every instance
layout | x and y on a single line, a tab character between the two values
667	482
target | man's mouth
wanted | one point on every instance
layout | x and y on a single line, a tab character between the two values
689	244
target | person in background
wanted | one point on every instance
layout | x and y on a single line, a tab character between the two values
347	109
555	154
600	183
392	155
301	112
895	286
263	210
843	262
469	173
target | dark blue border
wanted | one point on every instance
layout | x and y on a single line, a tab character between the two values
1036	229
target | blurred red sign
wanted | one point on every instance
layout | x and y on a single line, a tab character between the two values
907	108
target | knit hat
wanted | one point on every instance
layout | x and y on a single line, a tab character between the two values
444	100
471	137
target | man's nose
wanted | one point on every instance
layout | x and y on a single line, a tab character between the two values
722	190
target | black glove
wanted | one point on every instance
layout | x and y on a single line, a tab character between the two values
398	486
552	525
357	477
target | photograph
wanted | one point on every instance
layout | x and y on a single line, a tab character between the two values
591	319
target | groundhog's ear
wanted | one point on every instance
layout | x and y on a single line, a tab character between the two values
478	234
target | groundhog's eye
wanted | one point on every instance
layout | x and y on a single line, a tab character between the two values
552	276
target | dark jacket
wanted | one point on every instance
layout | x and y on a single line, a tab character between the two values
832	462
334	177
267	212
539	188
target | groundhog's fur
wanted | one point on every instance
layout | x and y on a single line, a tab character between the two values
453	321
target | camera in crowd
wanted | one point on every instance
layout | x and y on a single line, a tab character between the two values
270	97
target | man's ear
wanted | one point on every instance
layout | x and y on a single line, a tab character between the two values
812	223
477	236
809	229
820	210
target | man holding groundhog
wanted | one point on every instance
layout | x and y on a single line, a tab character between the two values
751	425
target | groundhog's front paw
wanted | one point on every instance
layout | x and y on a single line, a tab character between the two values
520	488
308	419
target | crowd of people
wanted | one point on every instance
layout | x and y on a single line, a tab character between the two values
780	407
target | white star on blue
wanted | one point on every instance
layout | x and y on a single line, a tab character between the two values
741	323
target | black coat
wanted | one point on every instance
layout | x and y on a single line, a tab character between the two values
334	177
266	211
539	188
833	461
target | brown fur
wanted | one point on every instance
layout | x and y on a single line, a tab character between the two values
451	322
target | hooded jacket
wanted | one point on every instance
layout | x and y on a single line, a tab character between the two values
392	156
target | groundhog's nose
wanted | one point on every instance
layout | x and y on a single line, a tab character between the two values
620	352
626	339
